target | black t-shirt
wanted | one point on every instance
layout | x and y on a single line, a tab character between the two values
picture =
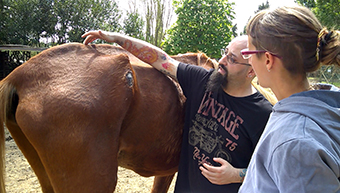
216	125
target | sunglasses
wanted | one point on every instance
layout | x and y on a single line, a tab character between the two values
246	53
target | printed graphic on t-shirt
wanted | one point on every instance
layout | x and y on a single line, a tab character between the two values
204	135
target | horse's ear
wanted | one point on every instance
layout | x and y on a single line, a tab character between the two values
215	63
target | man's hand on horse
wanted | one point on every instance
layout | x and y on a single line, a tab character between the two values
94	35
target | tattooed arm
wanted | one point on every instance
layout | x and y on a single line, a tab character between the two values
144	51
224	174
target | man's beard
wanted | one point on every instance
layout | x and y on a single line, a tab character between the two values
217	80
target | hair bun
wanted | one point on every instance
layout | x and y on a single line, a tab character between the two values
323	38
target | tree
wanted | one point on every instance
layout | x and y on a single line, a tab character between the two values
327	11
202	25
24	21
158	15
306	3
74	17
28	21
134	23
263	6
3	21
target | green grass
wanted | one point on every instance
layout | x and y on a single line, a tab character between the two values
315	80
337	84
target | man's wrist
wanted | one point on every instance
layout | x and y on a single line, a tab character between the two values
242	174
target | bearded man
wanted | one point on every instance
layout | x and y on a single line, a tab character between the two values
224	119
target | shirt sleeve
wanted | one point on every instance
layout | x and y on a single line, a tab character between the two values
191	76
303	165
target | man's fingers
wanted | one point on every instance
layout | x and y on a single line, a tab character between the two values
219	160
89	39
209	175
211	168
205	172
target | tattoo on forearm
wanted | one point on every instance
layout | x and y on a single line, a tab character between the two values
163	57
150	56
243	174
168	74
167	65
145	53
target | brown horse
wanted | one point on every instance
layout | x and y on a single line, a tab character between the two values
78	112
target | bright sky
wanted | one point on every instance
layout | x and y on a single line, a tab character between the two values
246	8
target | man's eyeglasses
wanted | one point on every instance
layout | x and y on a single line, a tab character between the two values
246	53
230	59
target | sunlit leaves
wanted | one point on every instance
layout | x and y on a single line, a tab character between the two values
133	25
327	11
204	26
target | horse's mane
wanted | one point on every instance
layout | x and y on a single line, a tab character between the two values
199	59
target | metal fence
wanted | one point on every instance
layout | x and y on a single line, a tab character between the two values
326	74
12	56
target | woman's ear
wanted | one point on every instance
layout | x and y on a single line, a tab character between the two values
269	61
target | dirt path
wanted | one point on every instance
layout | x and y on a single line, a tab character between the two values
20	177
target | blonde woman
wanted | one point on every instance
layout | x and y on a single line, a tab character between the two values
299	150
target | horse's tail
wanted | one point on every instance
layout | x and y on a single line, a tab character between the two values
7	91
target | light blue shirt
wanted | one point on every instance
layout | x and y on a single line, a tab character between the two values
299	150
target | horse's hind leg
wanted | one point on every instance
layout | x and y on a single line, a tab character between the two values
161	184
31	155
82	162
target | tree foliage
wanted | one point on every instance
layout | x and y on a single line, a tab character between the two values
306	3
23	22
327	11
74	17
133	25
58	21
158	14
262	6
202	25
